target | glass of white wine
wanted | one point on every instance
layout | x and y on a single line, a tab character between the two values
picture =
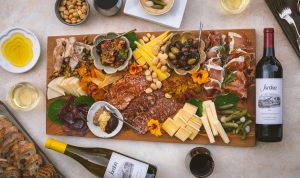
234	6
23	96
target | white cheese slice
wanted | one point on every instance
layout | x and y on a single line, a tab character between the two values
207	128
210	117
53	85
81	92
52	94
59	82
74	84
217	123
66	87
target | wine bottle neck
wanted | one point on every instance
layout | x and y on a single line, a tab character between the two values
56	145
269	42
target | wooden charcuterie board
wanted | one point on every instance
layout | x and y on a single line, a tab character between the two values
128	134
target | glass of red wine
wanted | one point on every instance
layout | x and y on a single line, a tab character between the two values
200	162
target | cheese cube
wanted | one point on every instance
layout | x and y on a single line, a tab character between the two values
193	131
190	108
170	127
183	134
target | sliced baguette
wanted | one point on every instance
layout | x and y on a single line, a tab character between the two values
24	152
32	165
9	142
11	172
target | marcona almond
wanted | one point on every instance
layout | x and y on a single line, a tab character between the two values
167	95
147	73
153	86
148	90
158	84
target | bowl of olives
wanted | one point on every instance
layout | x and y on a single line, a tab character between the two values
184	53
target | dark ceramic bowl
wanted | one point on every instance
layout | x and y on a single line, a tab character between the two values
56	8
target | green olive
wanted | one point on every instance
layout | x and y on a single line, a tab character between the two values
175	50
191	61
171	55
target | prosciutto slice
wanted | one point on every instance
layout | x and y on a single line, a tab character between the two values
239	85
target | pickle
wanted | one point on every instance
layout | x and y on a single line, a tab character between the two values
158	2
157	7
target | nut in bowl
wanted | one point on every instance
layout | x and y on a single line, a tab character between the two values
102	122
111	54
157	7
184	53
72	12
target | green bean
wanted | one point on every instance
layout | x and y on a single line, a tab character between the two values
229	111
158	2
239	128
226	106
230	125
247	122
236	115
244	134
157	7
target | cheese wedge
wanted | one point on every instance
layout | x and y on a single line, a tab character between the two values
217	123
196	121
190	108
207	128
53	85
52	94
208	112
170	127
74	84
183	134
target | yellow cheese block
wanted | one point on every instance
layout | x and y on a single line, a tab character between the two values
196	120
170	127
193	131
136	54
183	134
194	125
182	117
190	108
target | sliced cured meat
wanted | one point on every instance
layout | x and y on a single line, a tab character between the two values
212	88
126	89
237	41
236	64
239	85
147	106
212	39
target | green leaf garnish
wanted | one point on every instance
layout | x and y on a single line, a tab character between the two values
53	110
198	103
229	77
132	37
84	100
229	98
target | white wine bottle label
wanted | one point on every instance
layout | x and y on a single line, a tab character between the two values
120	166
269	101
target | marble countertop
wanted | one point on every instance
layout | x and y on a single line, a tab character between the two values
266	160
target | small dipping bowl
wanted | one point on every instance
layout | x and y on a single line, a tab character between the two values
96	130
36	49
56	8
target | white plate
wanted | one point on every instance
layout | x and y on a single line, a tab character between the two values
5	64
171	19
96	130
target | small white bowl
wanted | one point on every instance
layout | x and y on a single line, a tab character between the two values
96	130
36	48
97	59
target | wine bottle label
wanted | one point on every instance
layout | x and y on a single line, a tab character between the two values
269	101
122	166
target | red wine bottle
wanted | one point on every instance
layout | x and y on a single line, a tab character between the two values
269	93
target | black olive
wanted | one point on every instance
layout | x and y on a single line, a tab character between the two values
177	45
186	53
187	67
185	49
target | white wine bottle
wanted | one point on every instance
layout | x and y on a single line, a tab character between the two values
104	162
